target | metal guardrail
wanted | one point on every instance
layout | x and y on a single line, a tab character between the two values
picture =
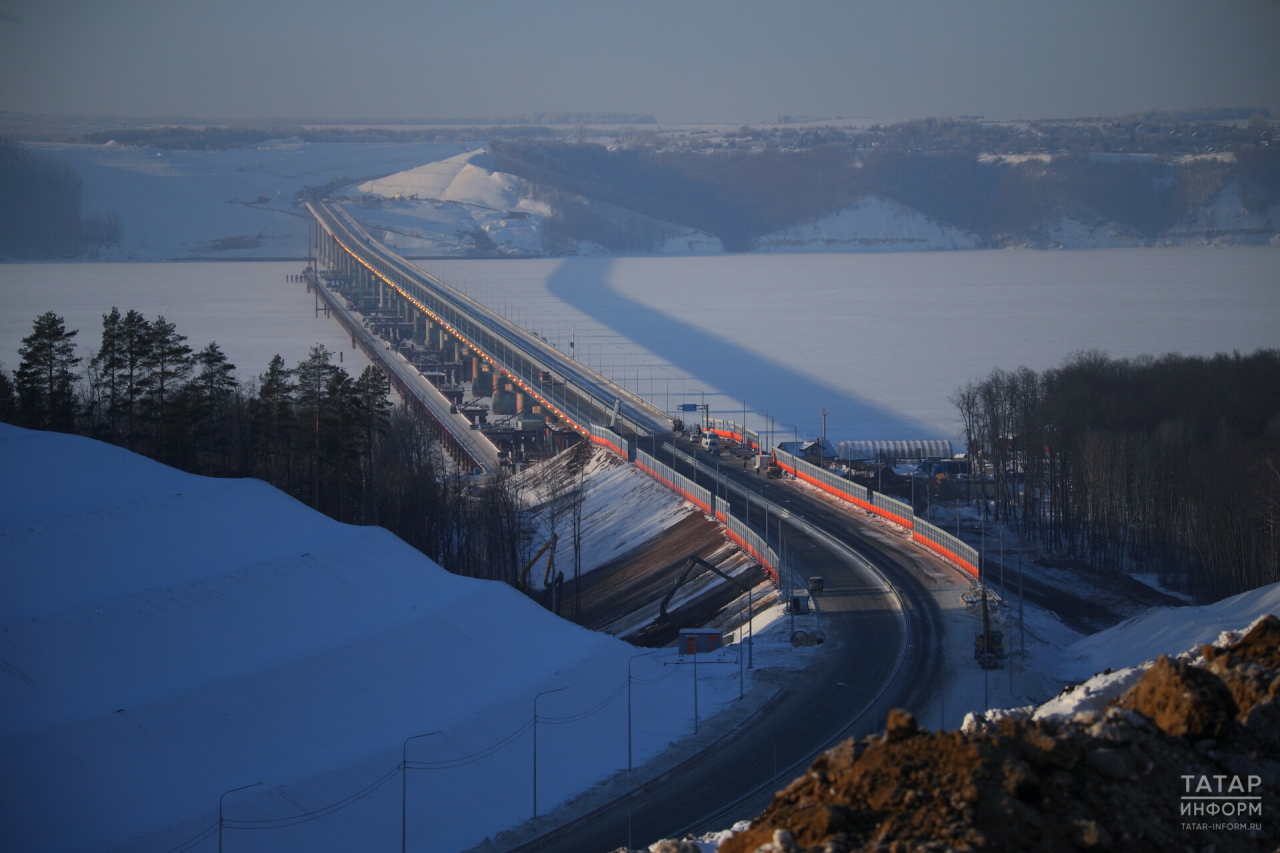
675	481
489	333
610	439
734	430
899	512
483	454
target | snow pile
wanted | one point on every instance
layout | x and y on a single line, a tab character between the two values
1120	656
467	178
168	638
455	207
1165	631
871	225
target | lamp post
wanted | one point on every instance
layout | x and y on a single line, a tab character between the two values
404	784
535	744
795	444
633	657
222	820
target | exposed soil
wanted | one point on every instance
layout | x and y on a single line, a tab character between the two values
640	579
1114	780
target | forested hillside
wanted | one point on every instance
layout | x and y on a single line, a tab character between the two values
313	431
740	195
1168	465
40	208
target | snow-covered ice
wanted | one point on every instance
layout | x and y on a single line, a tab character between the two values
235	204
881	340
248	308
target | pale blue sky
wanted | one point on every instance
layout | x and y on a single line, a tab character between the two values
680	60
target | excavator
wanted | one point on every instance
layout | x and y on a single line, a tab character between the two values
988	645
660	629
550	597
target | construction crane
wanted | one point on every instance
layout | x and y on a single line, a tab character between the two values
662	625
551	562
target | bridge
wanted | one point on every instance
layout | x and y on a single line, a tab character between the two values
877	607
568	391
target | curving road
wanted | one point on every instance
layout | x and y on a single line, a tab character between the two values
879	617
887	630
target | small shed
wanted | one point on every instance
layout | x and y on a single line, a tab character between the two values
699	640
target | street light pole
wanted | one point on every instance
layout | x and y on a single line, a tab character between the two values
404	784
222	820
633	657
535	744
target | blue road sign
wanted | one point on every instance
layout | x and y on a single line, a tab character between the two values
688	407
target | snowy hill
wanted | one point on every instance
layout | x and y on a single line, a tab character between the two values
1166	631
236	204
462	206
871	225
442	200
167	638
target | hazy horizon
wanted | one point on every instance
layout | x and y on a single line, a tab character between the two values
713	61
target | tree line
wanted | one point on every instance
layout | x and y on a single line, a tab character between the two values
40	208
740	196
331	440
1168	465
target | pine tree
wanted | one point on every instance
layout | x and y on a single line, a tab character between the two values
339	419
313	379
211	392
272	413
46	377
135	348
107	365
8	400
168	364
373	416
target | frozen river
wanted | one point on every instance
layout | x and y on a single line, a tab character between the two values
248	308
879	340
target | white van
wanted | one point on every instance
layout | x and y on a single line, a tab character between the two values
710	441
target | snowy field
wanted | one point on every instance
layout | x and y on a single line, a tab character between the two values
879	339
248	308
237	203
180	662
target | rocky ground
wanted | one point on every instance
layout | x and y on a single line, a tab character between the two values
1119	776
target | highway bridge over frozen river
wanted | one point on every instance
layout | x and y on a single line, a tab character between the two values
883	625
573	393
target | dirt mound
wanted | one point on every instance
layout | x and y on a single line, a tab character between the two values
1188	759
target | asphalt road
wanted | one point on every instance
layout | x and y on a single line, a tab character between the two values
847	691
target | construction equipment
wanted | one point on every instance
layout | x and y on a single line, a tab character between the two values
551	561
662	625
988	645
